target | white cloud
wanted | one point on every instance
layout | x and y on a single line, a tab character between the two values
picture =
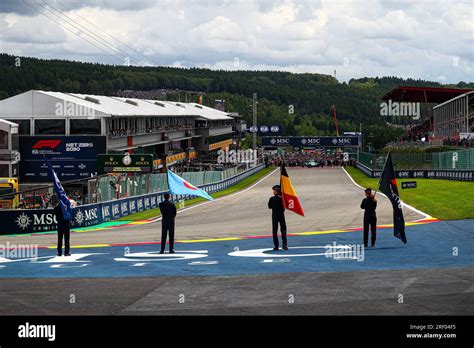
26	30
220	28
407	39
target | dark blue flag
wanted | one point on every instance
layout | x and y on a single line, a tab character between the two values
388	185
64	202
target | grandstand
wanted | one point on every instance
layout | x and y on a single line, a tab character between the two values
453	117
431	126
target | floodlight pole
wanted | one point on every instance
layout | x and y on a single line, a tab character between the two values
254	114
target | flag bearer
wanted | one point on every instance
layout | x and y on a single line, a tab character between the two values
63	231
369	204
168	213
278	217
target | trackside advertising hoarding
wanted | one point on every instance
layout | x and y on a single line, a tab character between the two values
43	220
72	157
310	142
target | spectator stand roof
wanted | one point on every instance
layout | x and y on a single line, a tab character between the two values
423	94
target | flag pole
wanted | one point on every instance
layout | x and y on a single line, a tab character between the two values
380	179
281	187
167	180
281	170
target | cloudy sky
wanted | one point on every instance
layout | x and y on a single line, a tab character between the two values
432	40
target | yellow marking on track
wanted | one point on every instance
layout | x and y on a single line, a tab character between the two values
416	223
91	230
355	230
84	246
209	240
319	232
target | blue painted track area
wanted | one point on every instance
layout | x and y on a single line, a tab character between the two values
442	244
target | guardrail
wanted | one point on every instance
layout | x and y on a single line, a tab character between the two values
459	160
15	221
459	175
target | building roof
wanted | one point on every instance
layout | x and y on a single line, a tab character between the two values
417	94
202	111
449	101
7	125
45	103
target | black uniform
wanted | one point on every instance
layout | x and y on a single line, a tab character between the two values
63	231
278	216
370	219
168	213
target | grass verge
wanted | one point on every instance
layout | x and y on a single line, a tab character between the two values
232	189
442	199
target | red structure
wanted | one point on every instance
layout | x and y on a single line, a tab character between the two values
423	94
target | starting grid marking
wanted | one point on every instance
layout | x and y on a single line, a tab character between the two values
429	246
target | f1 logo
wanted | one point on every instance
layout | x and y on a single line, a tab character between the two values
52	144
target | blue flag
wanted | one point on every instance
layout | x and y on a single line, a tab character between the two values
178	186
64	202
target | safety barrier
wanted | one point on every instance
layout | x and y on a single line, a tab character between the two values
462	159
459	175
114	187
40	220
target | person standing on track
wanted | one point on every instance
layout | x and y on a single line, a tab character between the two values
369	204
168	213
278	217
63	231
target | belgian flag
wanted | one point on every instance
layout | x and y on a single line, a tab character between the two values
288	193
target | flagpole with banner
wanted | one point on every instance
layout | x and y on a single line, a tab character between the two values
64	202
178	186
388	186
288	193
384	164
